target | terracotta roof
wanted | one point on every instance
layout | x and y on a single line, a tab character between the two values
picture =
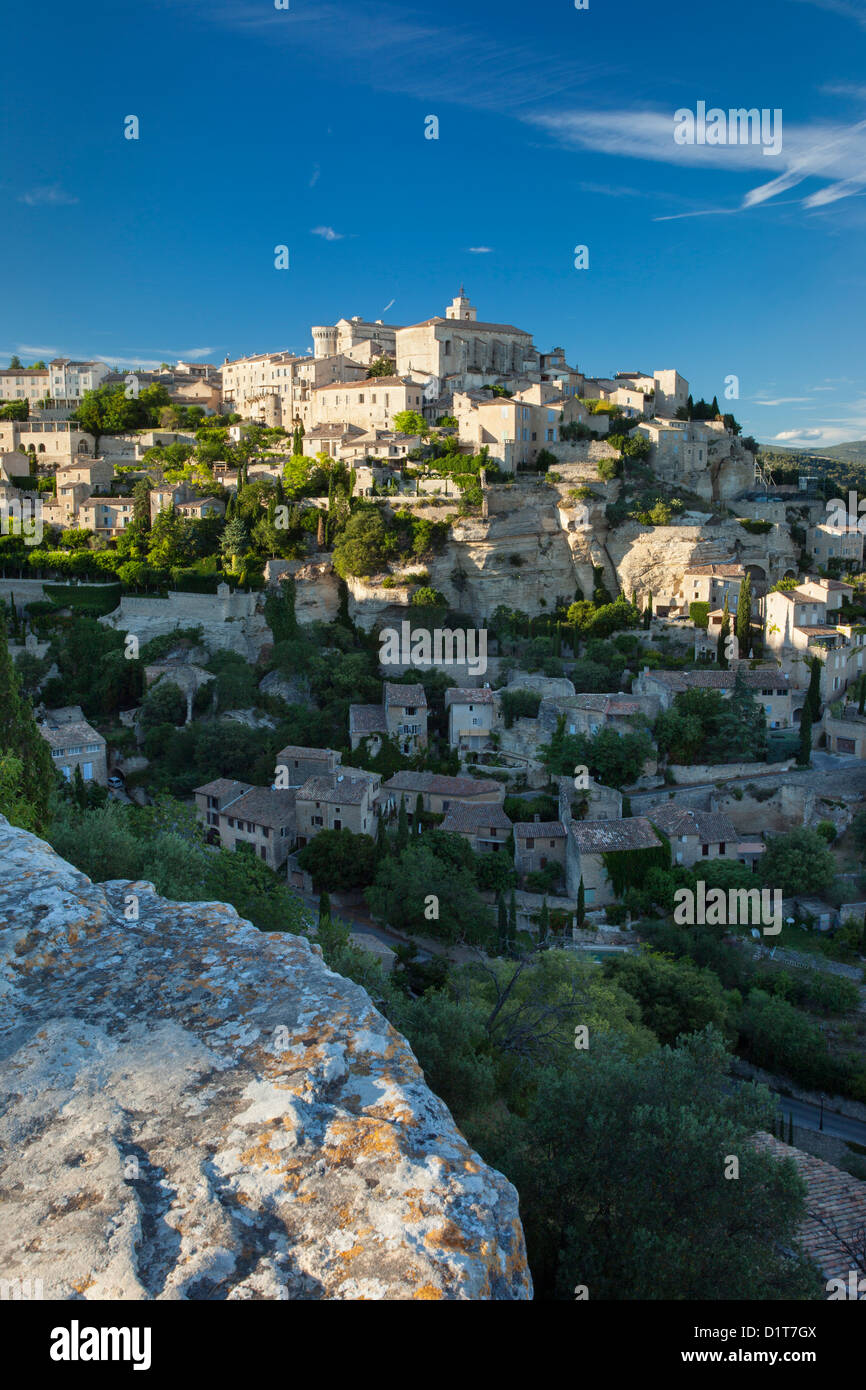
401	695
476	818
604	836
540	830
62	735
367	719
264	806
223	787
474	325
346	789
710	827
481	696
293	750
760	678
833	1199
723	571
437	785
371	383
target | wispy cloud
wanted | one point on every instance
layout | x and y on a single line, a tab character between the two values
30	351
314	177
782	400
389	305
832	153
47	195
480	250
847	9
785	436
326	233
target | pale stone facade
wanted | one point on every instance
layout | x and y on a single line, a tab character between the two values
74	743
239	814
337	801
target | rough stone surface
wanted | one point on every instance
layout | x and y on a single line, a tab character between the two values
195	1110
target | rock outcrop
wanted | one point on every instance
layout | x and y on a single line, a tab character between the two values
196	1110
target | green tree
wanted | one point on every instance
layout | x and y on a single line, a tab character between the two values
744	617
402	827
798	862
543	923
813	694
29	776
804	753
381	366
324	909
419	810
581	903
234	542
502	925
411	422
339	861
512	923
363	544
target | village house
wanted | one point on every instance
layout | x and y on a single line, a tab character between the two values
185	501
768	684
802	623
356	336
472	716
695	836
537	844
107	516
240	814
589	714
590	841
846	730
371	404
711	584
54	442
338	801
441	794
485	827
296	764
330	439
402	715
69	380
74	743
24	384
844	545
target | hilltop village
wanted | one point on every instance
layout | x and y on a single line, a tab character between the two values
528	695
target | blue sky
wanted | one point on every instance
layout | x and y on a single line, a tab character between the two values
305	127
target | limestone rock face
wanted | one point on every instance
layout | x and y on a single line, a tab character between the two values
193	1109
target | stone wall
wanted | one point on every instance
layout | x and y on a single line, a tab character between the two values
194	1109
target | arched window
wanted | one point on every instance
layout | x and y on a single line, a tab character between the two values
41	449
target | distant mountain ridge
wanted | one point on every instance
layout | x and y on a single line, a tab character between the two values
853	451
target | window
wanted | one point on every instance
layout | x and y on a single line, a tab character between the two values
705	849
87	772
553	844
530	843
721	847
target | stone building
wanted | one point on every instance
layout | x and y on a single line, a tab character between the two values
241	814
696	836
338	801
590	841
486	827
459	351
440	794
296	764
472	716
537	844
74	743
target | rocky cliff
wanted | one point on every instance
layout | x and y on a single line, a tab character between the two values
195	1110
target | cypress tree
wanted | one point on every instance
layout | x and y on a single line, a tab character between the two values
419	807
20	737
813	695
79	791
724	633
805	752
791	1128
324	908
512	921
381	838
501	925
402	827
861	703
581	903
544	923
744	617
